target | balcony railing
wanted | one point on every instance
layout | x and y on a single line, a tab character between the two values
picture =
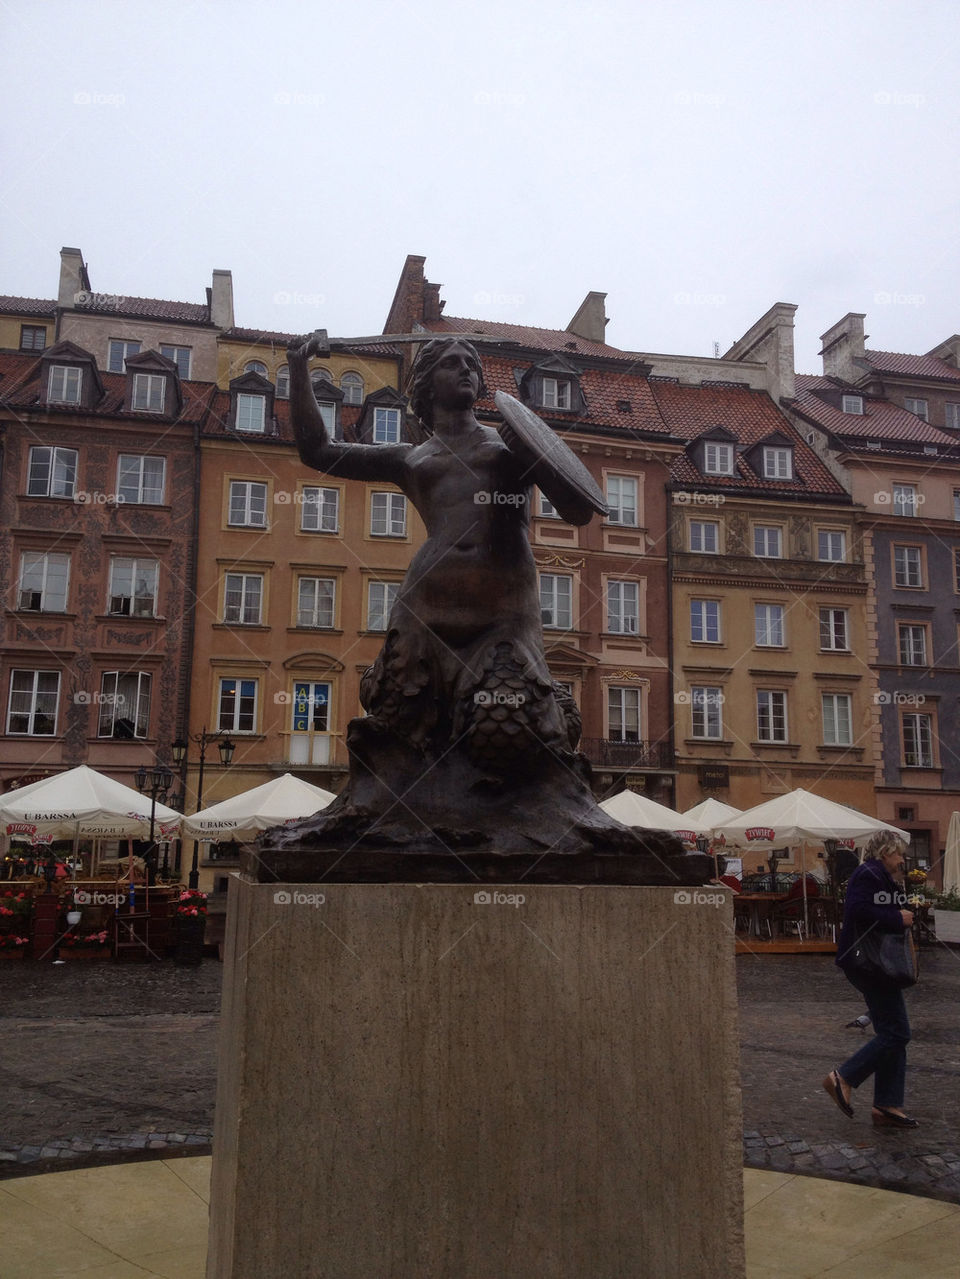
610	754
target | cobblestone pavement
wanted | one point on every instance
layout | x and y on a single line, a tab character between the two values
101	1061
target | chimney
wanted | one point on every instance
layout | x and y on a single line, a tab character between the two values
843	347
407	311
432	302
770	342
948	351
590	322
221	300
73	278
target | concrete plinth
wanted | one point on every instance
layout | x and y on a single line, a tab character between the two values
429	1080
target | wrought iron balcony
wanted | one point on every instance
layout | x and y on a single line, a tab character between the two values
610	754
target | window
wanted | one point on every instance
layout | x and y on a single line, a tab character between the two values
255	366
320	511
956	504
777	463
622	500
148	392
834	632
556	393
916	406
768	625
386	426
768	541
124	704
381	597
956	568
119	352
717	458
623	608
556	601
771	716
852	404
33	703
64	384
33	337
831	545
351	384
623	714
912	641
44	577
907	566
181	358
952	415
133	587
140	479
238	706
251	412
318	377
706	704
283	383
705	536
315	601
837	719
917	740
248	504
547	509
705	621
388	515
242	598
904	499
53	472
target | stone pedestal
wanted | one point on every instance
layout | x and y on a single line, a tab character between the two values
437	1080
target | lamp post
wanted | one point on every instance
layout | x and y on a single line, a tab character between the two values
180	749
157	782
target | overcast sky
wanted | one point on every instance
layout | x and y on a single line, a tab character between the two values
695	161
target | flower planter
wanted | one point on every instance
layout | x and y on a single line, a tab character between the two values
189	930
84	952
946	924
14	953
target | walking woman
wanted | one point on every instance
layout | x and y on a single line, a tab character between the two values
874	900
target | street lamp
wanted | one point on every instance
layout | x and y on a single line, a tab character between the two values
157	782
180	748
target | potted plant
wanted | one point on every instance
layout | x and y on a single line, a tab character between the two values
946	917
190	920
84	945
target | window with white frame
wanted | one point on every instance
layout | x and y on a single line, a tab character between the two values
623	714
704	536
623	608
388	515
316	599
237	711
243	598
140	479
768	541
381	597
837	714
952	415
44	581
556	601
181	358
255	366
831	545
835	629
912	644
149	390
919	407
547	509
34	697
351	384
705	621
386	426
52	472
771	715
248	504
622	492
64	384
907	566
251	412
717	458
917	740
118	352
852	404
555	393
283	382
133	586
706	711
777	463
905	499
124	705
768	625
320	510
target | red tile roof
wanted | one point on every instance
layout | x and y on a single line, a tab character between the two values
912	365
880	420
558	340
29	306
147	308
284	339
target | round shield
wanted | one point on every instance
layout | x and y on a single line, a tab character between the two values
548	447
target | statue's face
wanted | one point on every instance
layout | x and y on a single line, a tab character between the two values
456	380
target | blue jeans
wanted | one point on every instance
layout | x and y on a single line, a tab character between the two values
885	1056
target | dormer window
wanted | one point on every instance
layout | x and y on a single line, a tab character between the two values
148	392
555	393
552	384
852	404
118	353
919	407
251	405
777	463
251	412
717	458
153	385
64	384
69	376
386	426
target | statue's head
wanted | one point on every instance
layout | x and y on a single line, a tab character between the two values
420	383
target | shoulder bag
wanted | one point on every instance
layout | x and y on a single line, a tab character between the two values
890	957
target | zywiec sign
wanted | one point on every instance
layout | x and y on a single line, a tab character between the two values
714	776
760	832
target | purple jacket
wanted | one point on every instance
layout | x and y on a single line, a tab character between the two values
873	900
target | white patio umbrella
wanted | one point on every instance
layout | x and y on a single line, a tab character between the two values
636	810
951	855
283	799
702	819
83	802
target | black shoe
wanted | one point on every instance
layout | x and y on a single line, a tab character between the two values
884	1118
833	1089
